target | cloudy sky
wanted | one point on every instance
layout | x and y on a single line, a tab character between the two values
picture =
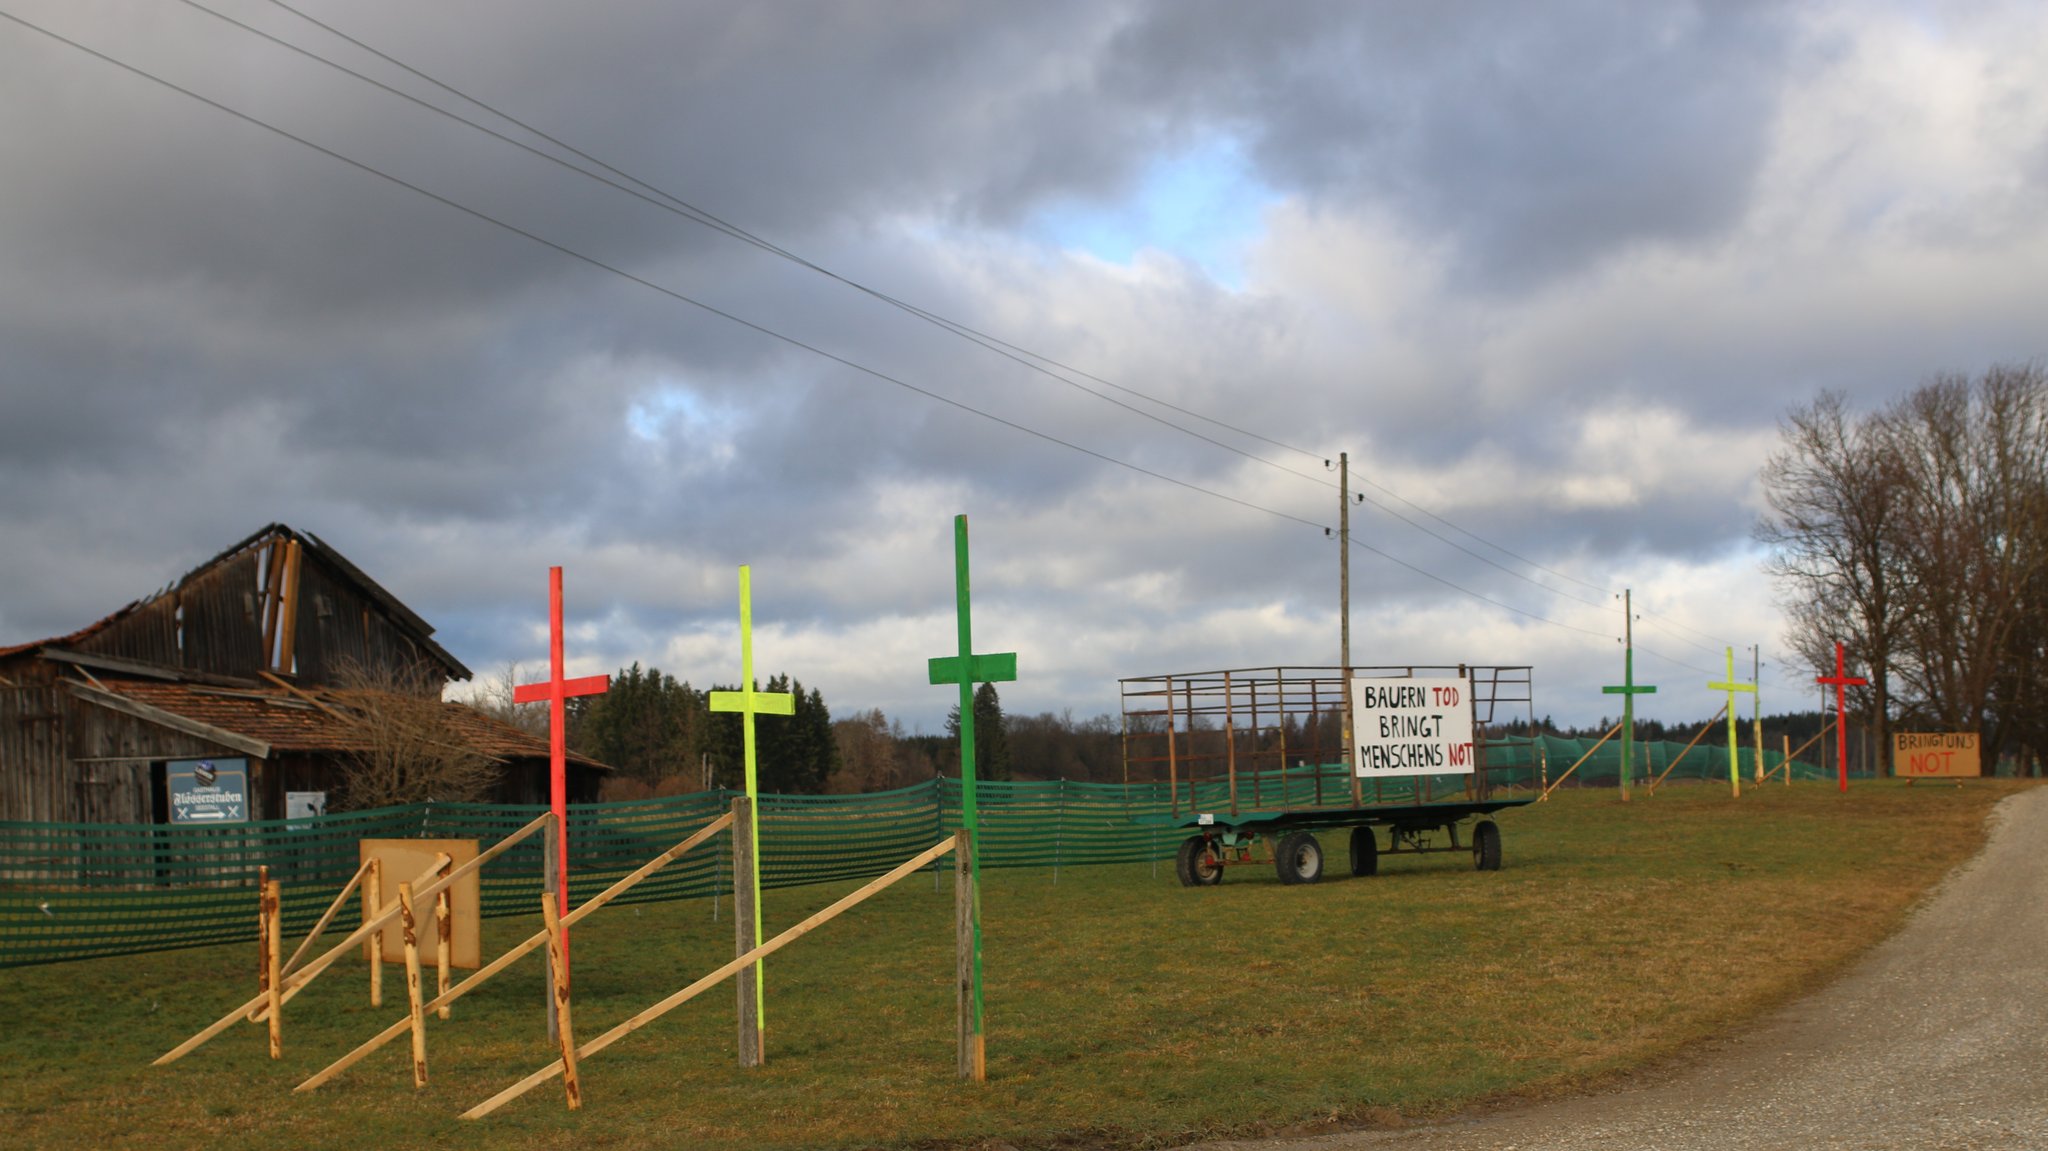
1550	274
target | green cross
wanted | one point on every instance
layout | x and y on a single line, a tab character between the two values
1731	687
750	703
1628	690
968	669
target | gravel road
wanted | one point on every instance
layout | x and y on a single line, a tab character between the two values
1938	1039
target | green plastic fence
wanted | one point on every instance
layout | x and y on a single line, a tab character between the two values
73	891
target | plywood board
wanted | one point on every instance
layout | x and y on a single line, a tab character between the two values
1936	755
403	860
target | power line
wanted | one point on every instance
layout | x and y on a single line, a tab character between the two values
752	325
668	201
1476	595
1032	360
649	284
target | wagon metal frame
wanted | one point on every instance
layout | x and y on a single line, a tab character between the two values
1235	726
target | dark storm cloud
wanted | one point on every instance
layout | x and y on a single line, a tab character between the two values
1539	138
209	327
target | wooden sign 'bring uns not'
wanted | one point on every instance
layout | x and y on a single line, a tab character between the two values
1937	755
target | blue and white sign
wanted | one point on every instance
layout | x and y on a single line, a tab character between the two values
208	790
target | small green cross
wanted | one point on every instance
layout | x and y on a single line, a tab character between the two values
1731	687
750	703
967	669
1628	690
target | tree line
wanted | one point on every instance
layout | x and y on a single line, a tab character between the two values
661	737
1917	535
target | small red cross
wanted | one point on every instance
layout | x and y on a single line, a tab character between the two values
557	692
1842	681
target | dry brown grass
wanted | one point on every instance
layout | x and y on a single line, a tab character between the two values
1124	1010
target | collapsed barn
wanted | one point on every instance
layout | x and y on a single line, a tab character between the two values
277	665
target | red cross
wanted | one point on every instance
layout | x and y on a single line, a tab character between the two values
557	693
1842	681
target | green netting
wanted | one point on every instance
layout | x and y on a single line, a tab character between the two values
72	891
1548	756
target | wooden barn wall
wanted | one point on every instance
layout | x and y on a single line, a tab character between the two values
45	732
119	792
223	618
212	622
32	767
149	633
339	627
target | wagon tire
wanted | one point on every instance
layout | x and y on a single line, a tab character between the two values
1194	866
1486	846
1299	858
1365	852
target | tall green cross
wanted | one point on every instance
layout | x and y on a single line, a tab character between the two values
750	703
967	669
1628	690
1731	687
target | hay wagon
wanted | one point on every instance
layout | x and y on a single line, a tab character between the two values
1271	756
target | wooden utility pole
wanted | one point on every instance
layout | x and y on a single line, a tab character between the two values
1344	607
1344	570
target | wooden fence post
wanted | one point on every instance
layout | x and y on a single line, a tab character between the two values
412	986
262	940
551	846
444	943
560	991
373	905
753	1051
273	946
972	1059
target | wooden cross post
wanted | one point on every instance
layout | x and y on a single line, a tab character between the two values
1841	681
1628	690
557	692
1734	748
967	669
750	703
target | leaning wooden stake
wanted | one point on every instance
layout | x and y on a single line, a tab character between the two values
416	1016
533	941
753	1048
560	971
1575	766
724	973
1658	782
273	977
973	1058
327	917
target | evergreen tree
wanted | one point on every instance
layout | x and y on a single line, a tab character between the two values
647	725
991	741
793	754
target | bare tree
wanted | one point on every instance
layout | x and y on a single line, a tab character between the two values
1976	474
404	743
493	697
1835	530
1919	535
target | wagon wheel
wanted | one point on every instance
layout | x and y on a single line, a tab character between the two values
1365	851
1486	845
1195	865
1299	858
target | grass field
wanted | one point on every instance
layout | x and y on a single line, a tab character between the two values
1123	1009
